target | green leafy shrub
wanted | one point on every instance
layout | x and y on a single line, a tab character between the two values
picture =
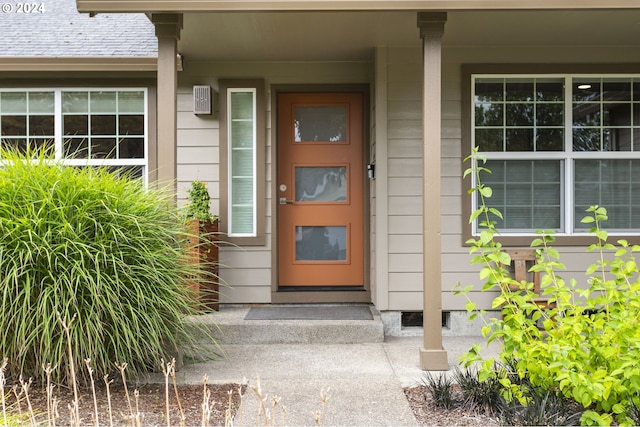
97	252
588	345
198	206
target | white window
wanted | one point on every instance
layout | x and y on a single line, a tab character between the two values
241	125
557	144
84	127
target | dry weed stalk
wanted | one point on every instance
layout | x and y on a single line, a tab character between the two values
275	400
165	370
175	390
25	387
320	415
262	410
206	408
54	409
50	413
93	392
266	416
17	394
138	418
107	383
241	406
227	411
169	369
121	367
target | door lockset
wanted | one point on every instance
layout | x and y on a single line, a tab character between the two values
284	201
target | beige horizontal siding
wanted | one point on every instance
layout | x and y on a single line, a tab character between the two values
405	243
247	270
407	262
199	171
405	167
405	186
405	110
405	205
404	145
405	129
195	155
406	224
207	137
405	148
245	294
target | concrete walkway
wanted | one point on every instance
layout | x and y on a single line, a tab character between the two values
364	381
361	371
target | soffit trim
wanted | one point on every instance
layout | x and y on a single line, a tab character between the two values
102	6
78	64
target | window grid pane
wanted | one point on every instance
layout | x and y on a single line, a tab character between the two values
604	114
103	124
526	192
612	184
27	120
519	114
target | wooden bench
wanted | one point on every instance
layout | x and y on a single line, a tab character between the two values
521	262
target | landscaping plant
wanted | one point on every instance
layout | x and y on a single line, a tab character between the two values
92	256
588	345
198	207
439	386
203	243
483	396
542	407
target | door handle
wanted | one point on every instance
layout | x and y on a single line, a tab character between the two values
284	201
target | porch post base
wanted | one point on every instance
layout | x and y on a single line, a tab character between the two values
433	360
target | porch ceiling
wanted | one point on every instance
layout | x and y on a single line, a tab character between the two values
350	36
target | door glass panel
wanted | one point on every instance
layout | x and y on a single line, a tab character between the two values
321	123
321	184
319	243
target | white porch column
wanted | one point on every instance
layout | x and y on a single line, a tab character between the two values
168	26
432	355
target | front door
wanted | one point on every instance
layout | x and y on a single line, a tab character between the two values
320	184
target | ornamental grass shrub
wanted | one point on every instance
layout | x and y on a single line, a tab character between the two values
97	254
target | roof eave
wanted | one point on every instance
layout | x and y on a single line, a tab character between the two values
79	64
170	6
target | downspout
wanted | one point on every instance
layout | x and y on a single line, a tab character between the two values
433	357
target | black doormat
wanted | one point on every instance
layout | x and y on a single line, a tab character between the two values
310	313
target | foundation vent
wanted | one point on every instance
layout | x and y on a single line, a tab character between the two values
202	99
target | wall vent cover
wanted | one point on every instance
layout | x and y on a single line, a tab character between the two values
202	99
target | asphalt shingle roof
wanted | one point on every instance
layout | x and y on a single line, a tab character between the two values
57	30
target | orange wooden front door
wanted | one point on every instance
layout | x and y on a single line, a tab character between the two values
320	190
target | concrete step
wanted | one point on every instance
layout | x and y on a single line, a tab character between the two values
229	326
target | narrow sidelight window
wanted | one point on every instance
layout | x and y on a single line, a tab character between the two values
242	160
241	122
